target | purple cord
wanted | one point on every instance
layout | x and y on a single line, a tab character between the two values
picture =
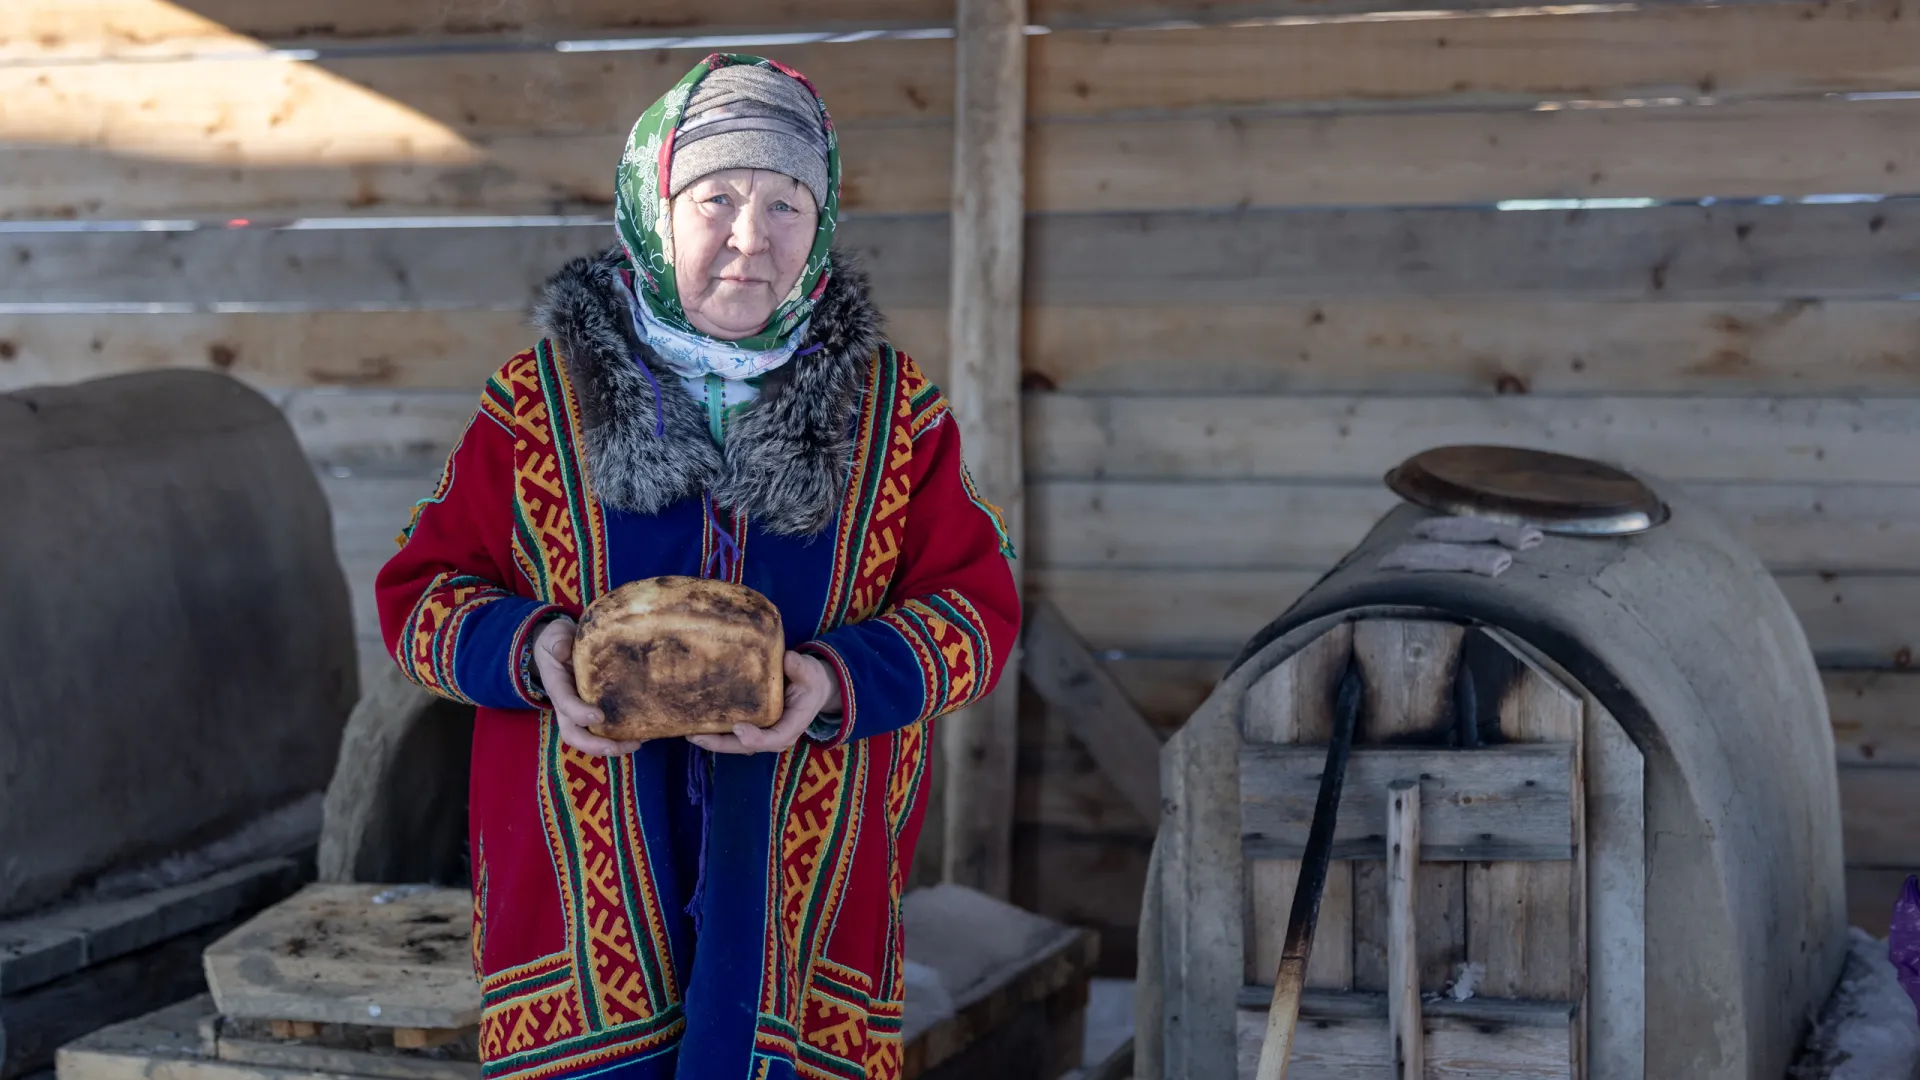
727	552
659	407
700	793
810	350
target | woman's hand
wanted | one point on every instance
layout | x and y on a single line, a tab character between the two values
811	690
553	658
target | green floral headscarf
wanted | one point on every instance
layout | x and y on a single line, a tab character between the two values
644	217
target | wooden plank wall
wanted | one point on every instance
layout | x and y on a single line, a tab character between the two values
1264	262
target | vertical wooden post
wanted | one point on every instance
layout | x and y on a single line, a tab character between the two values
1403	946
989	162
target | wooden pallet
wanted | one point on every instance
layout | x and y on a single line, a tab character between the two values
355	982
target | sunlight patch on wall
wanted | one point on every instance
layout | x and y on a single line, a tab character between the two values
269	111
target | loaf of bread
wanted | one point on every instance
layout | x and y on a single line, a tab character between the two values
675	656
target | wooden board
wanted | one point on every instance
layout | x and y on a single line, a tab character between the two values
427	350
1876	718
1282	524
1727	52
1507	803
1293	704
149	29
332	954
1353	1048
1245	437
1116	736
1877	815
480	266
1526	922
1408	671
1084	879
34	1025
1865	620
1455	158
1478	345
1674	252
1472	345
46	947
290	140
1871	892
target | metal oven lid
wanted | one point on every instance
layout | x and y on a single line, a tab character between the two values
1553	492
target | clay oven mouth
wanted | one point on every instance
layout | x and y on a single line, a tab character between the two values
1629	838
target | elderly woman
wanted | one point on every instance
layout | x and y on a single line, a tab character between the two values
712	397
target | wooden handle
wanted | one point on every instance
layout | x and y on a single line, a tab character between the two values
1403	947
1283	1013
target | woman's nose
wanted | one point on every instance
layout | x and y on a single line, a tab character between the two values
750	231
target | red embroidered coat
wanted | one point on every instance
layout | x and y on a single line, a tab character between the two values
615	925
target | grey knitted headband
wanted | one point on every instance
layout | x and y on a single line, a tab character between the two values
749	117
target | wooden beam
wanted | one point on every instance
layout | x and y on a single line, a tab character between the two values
984	386
1119	739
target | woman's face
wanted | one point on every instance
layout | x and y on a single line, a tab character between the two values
740	239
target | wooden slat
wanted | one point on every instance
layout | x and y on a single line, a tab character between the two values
46	947
1752	150
1871	892
469	267
1404	1025
1083	447
1247	437
1280	524
1293	703
1085	880
1671	252
1511	802
1408	672
1724	52
402	161
1876	717
1865	620
1877	815
1615	1018
1875	714
1115	735
402	350
147	28
1525	922
1349	1049
1343	345
1479	345
1675	252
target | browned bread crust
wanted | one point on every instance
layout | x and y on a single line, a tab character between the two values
675	656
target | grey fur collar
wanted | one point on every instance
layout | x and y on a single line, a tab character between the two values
786	459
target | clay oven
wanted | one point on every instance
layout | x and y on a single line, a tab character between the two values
1633	827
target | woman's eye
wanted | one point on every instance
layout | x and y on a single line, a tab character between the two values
782	206
720	199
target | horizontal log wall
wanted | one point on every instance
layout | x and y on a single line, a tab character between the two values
1266	262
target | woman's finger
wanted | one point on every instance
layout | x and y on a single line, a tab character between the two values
588	743
720	744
